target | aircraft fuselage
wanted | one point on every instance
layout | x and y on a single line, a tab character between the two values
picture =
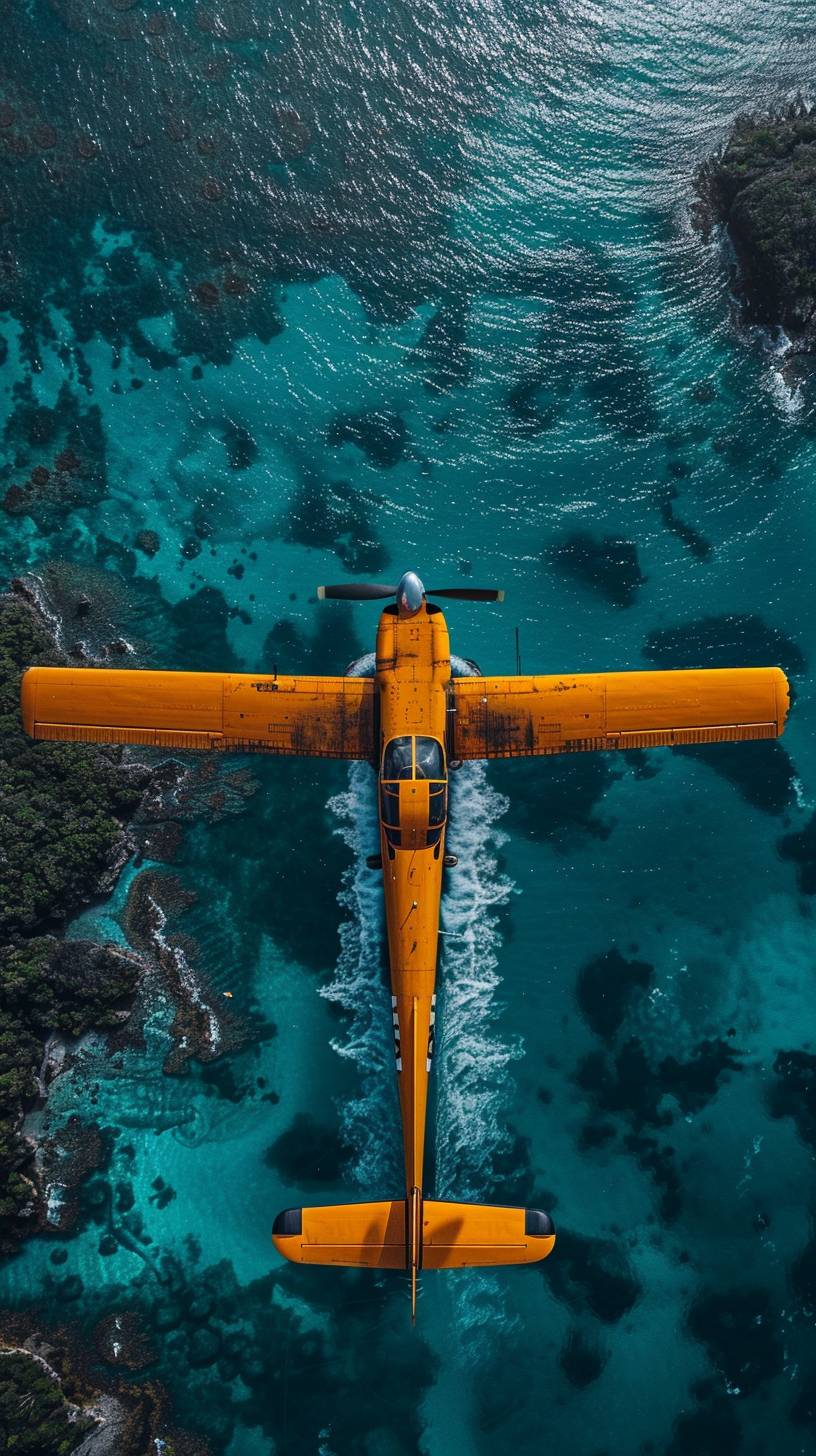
413	672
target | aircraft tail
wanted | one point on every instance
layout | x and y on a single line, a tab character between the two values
413	1233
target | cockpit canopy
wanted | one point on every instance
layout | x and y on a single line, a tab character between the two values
413	793
413	758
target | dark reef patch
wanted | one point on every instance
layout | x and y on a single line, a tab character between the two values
242	450
333	514
800	847
557	801
609	565
625	1083
442	357
762	772
581	1359
713	1429
738	1329
199	622
693	539
607	986
732	640
309	1153
381	434
593	1275
633	1083
333	640
57	458
793	1092
587	341
534	405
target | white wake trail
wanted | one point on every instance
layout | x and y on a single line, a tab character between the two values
370	1121
472	1055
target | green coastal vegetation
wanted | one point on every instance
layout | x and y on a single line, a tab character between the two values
34	1415
762	188
62	811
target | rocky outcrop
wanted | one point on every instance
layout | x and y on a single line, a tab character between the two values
761	190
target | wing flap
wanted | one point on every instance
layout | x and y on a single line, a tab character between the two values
320	717
512	717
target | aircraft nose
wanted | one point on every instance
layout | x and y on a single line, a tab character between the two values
410	594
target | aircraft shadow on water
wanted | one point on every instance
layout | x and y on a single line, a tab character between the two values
414	723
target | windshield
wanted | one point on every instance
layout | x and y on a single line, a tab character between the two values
420	758
430	763
397	760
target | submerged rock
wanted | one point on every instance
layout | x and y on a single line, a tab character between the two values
381	434
607	985
609	565
148	542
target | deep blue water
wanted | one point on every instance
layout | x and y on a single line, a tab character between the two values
348	288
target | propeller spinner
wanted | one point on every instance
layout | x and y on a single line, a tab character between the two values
409	592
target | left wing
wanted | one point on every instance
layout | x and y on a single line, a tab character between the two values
321	717
509	717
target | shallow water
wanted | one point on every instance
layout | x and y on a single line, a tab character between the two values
419	287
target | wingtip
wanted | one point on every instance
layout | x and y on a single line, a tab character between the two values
321	594
499	596
783	700
28	696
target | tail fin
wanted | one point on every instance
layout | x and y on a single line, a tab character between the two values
413	1233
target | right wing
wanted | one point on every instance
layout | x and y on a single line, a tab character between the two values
321	717
510	717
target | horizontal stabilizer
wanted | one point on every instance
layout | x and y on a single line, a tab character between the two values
364	1235
375	1235
466	1235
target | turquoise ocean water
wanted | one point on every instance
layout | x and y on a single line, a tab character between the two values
346	288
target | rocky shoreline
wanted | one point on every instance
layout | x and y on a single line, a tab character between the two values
53	1399
85	811
71	817
759	191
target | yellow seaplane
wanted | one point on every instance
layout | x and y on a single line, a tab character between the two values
414	723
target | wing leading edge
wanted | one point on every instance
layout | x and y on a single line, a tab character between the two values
510	717
320	717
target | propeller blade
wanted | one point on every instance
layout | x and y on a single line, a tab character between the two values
468	593
356	591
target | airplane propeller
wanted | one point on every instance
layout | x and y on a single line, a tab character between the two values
374	591
357	591
468	593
